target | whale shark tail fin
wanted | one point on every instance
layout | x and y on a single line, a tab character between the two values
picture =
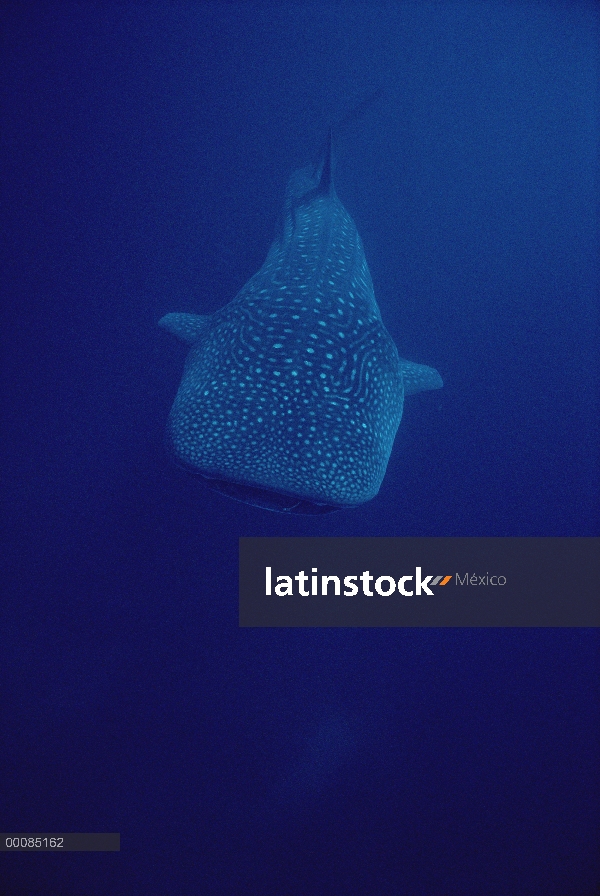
325	174
357	111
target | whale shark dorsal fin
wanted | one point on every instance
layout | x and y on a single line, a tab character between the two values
419	377
190	328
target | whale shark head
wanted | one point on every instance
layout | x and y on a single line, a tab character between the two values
292	393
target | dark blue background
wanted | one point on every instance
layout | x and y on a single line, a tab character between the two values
145	150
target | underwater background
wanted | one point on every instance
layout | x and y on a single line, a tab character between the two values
145	151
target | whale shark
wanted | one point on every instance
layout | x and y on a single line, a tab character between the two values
292	393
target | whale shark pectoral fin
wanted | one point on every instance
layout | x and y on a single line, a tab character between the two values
190	328
419	377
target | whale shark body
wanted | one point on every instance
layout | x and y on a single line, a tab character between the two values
292	393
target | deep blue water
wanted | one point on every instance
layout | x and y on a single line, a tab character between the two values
145	151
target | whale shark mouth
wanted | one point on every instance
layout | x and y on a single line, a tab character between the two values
268	500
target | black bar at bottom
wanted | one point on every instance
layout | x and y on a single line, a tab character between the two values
60	842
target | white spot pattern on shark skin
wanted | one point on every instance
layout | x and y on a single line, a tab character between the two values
293	392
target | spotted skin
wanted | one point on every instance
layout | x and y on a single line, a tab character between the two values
293	392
